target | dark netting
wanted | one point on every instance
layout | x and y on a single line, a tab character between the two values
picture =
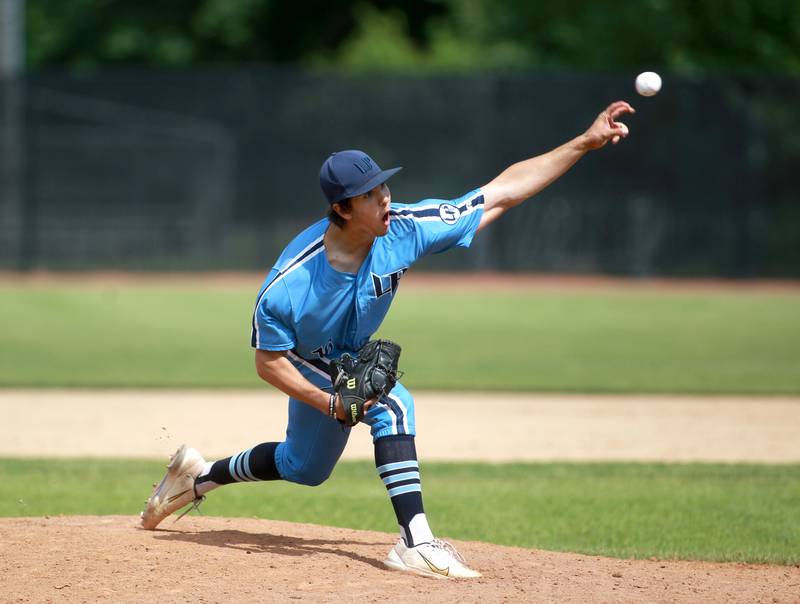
218	169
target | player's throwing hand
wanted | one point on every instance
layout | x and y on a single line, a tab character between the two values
606	127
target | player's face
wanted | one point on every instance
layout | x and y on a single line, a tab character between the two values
371	210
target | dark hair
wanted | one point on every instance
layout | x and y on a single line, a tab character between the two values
334	216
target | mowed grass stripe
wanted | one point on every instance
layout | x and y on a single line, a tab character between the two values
717	512
595	342
628	341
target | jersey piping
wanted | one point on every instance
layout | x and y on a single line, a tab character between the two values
311	250
433	212
318	366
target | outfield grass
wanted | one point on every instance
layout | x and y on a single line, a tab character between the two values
127	335
696	511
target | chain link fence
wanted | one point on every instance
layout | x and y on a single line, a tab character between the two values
218	169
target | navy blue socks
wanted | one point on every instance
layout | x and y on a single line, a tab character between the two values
396	462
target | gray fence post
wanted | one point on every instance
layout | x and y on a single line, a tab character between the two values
12	177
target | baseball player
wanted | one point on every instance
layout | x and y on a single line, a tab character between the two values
325	296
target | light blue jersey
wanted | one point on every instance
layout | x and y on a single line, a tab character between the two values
316	313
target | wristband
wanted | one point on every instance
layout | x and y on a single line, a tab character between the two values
332	405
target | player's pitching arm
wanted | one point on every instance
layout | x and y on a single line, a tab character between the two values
526	178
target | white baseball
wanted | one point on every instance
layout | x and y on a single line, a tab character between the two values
648	83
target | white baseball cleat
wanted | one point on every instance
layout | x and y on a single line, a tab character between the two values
435	558
176	489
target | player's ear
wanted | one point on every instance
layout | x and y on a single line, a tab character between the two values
337	209
344	209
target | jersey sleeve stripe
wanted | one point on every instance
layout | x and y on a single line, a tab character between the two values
420	213
416	208
429	212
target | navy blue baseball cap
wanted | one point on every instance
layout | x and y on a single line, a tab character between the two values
349	173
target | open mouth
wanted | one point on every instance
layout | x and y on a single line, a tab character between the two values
386	218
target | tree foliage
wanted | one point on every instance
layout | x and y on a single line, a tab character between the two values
684	36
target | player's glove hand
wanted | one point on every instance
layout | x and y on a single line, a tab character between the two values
370	375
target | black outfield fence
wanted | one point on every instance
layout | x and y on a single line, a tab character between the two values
218	169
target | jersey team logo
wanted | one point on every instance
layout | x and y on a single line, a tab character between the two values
323	351
384	284
449	213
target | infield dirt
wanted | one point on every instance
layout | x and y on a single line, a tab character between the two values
82	559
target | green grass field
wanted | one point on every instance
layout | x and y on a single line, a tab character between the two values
188	336
698	511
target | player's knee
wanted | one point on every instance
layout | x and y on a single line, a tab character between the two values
312	476
308	472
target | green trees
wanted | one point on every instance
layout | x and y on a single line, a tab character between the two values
683	36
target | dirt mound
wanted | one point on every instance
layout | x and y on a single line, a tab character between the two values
244	560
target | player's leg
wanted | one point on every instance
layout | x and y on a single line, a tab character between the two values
393	429
254	464
313	445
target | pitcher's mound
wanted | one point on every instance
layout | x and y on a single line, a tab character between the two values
204	559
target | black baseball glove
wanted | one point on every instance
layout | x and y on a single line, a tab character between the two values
370	375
